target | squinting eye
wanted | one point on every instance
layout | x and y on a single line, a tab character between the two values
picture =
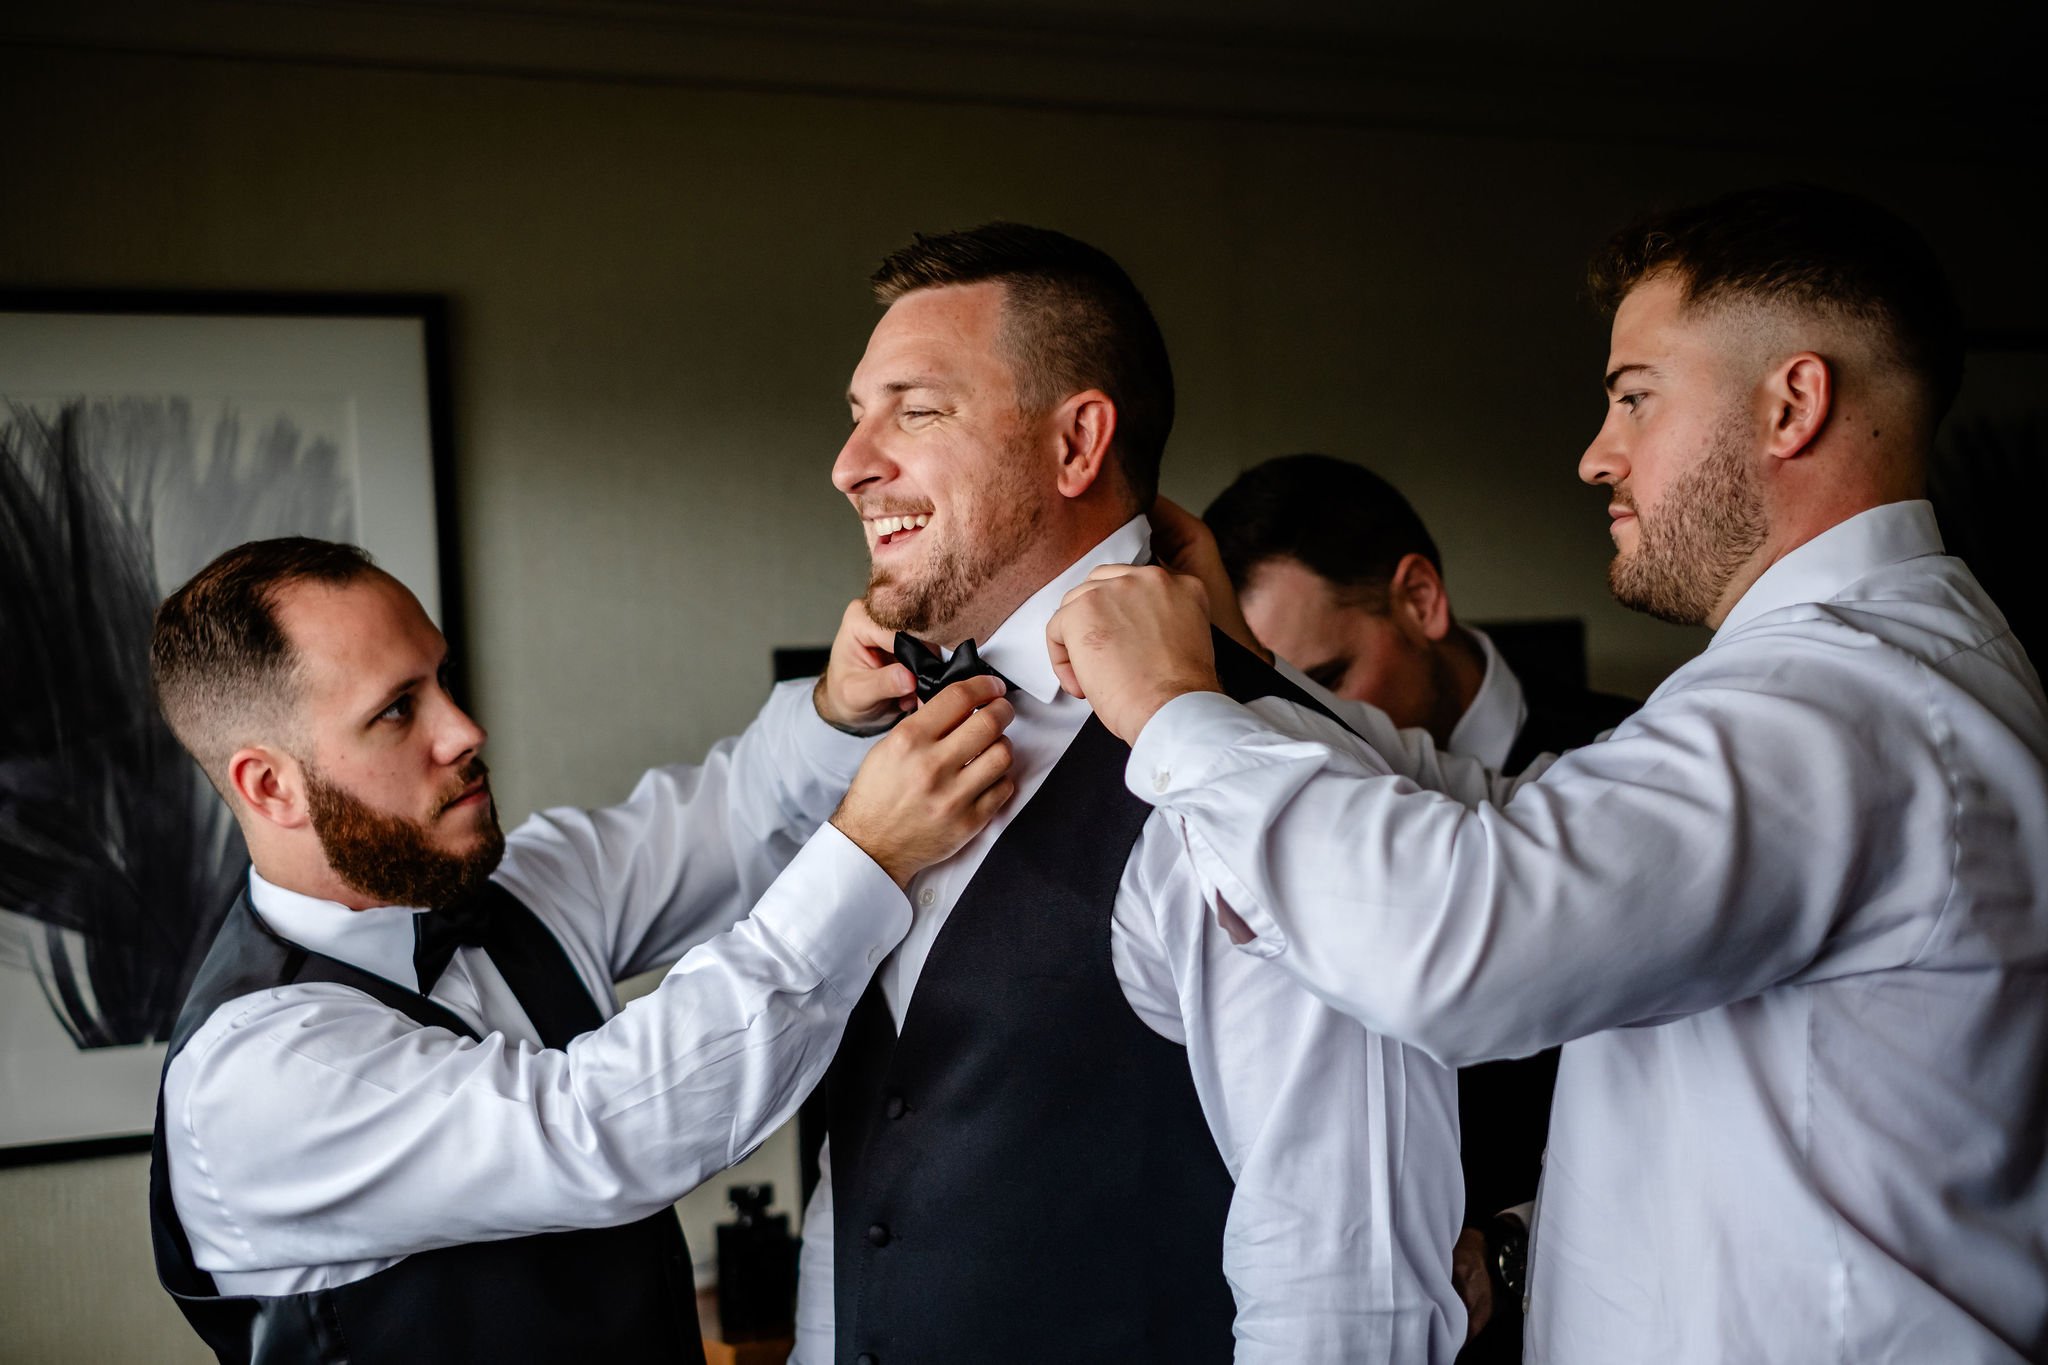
400	709
1630	400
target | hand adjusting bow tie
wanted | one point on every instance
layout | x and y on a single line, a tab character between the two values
934	674
438	933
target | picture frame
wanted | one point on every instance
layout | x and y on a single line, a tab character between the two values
148	432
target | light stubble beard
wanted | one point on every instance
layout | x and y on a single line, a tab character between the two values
948	588
1706	527
390	857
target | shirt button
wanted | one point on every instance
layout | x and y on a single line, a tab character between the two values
1161	780
894	1107
878	1236
867	1358
874	953
927	898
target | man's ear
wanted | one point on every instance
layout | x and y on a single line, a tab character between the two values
271	784
1799	396
1417	600
1084	426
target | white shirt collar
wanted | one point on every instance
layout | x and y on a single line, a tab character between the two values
378	940
1016	649
1488	728
1821	568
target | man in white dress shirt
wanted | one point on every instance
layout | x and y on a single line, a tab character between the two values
1336	573
1070	1122
404	1117
1792	918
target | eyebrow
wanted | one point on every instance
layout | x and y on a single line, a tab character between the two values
391	696
1614	376
921	381
402	688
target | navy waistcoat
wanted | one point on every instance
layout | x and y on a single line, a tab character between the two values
611	1294
1025	1174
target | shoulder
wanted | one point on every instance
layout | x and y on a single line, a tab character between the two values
259	1059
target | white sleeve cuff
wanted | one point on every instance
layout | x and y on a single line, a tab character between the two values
832	753
1182	744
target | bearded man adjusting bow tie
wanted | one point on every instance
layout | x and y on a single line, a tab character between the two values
1789	921
387	1146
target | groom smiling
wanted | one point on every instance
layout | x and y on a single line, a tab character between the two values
1068	1121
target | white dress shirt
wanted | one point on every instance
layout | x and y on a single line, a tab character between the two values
1496	713
1343	1145
1795	915
317	1136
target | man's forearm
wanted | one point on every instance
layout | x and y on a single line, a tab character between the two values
432	1140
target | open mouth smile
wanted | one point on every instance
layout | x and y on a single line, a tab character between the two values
896	529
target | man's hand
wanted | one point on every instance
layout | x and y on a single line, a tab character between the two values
1470	1279
863	690
1131	639
1184	543
934	781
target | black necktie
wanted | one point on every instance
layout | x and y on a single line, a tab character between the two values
934	674
438	933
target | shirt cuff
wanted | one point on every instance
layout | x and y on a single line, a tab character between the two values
830	751
1182	744
838	908
1186	744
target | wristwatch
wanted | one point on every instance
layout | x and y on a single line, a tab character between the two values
1507	1255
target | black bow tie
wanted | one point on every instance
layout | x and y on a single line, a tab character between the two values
438	933
934	674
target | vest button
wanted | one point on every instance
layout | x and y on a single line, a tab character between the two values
878	1236
867	1358
894	1107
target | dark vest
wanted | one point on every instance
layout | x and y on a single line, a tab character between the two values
620	1293
1026	1174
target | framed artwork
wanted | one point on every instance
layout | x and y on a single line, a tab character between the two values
140	436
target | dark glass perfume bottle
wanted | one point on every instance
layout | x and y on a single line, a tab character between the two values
756	1268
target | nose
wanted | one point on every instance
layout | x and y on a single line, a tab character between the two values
456	737
860	463
1604	460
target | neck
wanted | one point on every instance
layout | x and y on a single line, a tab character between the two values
1459	667
1795	526
1051	556
319	881
1866	458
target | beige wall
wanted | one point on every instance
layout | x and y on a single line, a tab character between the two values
658	296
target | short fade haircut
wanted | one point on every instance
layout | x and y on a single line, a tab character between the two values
225	673
1825	252
1072	320
1339	520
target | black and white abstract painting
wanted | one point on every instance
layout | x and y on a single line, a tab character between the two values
134	447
